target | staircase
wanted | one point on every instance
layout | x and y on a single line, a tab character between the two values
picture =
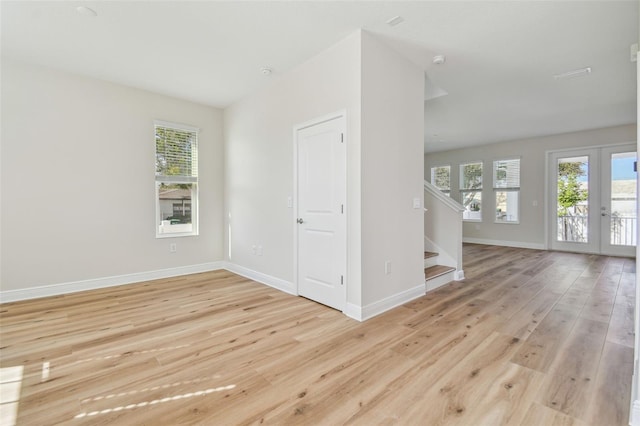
443	238
436	275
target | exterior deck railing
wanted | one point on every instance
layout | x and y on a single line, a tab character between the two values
576	229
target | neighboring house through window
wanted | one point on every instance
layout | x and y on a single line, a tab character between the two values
471	190
176	179
506	186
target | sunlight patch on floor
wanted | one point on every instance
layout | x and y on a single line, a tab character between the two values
154	402
10	385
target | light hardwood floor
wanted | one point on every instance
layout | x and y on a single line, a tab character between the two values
530	337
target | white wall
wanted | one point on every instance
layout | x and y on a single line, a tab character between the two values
382	95
392	172
259	160
531	231
78	170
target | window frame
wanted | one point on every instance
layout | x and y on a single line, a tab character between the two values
513	189
192	180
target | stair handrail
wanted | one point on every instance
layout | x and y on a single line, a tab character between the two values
448	201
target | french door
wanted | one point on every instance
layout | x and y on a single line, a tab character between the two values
592	203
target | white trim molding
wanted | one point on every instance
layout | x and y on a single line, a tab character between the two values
277	283
98	283
376	308
517	244
447	201
353	311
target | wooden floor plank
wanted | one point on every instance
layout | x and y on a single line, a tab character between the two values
530	337
570	380
610	401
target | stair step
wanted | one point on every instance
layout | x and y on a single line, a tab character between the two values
437	270
428	254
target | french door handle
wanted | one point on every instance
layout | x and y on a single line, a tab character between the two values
300	221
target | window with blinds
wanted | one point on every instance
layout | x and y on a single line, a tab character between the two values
506	174
471	191
176	179
506	186
441	178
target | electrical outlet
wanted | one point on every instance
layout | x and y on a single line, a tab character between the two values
254	249
387	267
259	250
173	247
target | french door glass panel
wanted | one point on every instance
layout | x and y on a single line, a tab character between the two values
572	202
574	221
619	209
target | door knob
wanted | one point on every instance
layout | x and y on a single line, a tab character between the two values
300	220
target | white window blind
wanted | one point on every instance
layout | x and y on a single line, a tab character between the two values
506	174
176	153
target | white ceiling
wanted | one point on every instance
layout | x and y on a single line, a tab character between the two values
501	56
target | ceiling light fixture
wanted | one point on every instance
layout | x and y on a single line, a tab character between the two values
395	21
439	59
86	11
572	74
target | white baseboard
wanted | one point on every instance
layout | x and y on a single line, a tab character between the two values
458	275
376	308
517	244
635	413
97	283
277	283
353	311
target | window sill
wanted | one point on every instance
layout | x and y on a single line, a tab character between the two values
177	234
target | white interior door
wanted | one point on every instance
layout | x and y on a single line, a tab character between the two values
592	203
320	218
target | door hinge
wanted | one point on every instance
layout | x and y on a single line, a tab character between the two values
341	137
341	279
342	208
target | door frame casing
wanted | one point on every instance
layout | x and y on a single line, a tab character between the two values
296	128
550	203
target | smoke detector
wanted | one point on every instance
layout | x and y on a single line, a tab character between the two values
266	71
439	59
86	11
395	21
